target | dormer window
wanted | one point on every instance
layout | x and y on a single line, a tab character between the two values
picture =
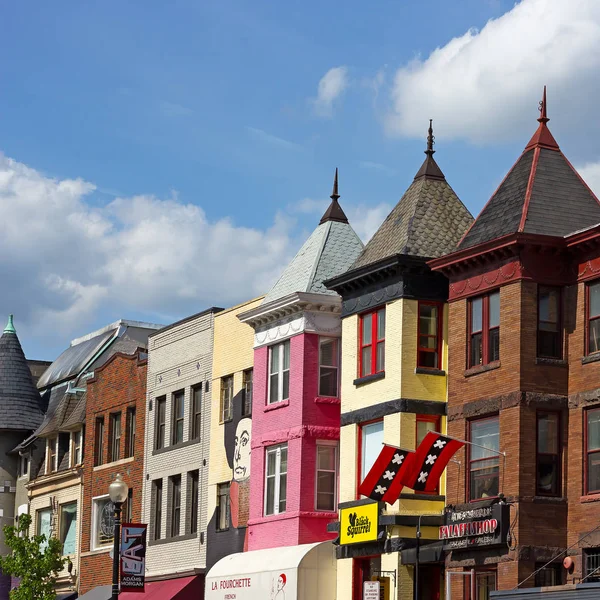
23	465
76	448
52	455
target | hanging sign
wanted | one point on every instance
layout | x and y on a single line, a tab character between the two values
133	557
359	524
371	590
486	526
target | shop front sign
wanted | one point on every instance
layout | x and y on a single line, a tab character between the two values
476	527
359	524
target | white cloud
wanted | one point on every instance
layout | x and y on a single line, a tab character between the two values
63	261
366	219
331	86
478	85
268	138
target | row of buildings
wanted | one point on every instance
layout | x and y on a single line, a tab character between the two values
243	433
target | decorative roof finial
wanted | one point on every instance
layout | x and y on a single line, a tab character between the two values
10	328
543	116
430	140
334	195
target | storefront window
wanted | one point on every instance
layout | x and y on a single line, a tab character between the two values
103	522
484	466
68	527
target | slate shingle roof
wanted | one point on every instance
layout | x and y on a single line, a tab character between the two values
329	251
542	194
428	221
20	402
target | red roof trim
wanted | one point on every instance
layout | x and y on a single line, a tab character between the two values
542	138
534	164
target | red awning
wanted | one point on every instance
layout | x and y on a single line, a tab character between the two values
170	589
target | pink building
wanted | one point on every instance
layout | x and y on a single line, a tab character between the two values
296	403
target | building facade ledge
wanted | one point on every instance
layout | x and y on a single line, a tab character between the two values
327	400
589	498
586	360
173	540
276	405
482	368
551	362
437	372
369	378
116	463
175	447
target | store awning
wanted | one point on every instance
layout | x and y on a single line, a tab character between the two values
306	572
169	589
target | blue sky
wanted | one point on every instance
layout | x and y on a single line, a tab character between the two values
159	158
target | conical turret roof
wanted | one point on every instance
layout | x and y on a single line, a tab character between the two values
428	221
330	250
541	194
20	402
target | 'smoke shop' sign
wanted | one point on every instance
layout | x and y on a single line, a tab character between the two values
476	527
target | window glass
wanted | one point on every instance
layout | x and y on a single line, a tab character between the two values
157	486
367	323
593	449
326	477
485	583
372	440
175	482
477	314
279	382
381	324
194	499
548	454
485	433
494	308
43	525
328	367
594	290
104	522
247	389
423	428
68	526
484	466
115	436
548	433
161	407
178	416
276	479
223	509
592	565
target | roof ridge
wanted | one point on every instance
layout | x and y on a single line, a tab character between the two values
528	191
319	256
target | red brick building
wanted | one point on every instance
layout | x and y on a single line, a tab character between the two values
114	443
524	379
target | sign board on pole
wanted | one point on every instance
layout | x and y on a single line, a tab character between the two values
371	590
133	557
359	523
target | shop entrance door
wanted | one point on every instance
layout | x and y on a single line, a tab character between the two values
429	582
363	569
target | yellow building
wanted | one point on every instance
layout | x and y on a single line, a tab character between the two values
393	382
230	433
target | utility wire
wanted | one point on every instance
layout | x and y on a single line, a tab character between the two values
557	556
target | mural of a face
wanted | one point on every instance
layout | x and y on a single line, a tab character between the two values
241	456
281	582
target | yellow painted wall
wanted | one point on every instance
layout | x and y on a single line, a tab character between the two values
233	353
400	381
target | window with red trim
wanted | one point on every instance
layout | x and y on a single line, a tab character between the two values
429	351
425	424
371	357
592	447
593	317
548	454
484	329
548	329
484	465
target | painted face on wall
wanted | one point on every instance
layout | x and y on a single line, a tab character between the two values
241	456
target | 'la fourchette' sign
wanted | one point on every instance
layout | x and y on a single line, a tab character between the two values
485	526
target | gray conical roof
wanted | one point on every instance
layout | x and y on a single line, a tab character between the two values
20	402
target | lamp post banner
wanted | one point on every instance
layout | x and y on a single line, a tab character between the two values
133	557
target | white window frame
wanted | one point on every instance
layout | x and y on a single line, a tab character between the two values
280	371
277	489
93	545
60	525
330	444
74	462
323	339
51	468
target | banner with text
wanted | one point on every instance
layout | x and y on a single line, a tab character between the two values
133	557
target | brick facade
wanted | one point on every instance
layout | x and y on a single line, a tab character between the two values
118	386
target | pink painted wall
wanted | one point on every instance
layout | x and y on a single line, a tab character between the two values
301	422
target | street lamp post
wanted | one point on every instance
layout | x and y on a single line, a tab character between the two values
117	492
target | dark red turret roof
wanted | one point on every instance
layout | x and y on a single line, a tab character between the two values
541	194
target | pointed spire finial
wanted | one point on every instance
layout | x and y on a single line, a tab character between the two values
430	139
334	195
543	109
10	328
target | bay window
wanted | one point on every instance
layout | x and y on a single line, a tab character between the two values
592	442
279	372
328	367
276	479
484	464
593	317
548	454
372	343
429	351
484	329
548	328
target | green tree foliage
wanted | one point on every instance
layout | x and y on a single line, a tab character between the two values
35	562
